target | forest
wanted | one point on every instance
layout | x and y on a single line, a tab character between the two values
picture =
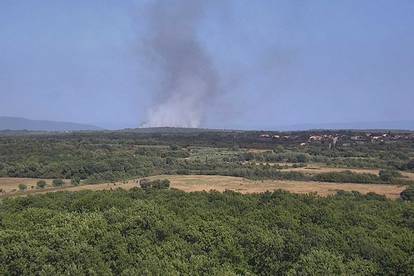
157	232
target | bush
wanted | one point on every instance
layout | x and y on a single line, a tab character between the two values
58	182
145	183
22	187
388	175
410	165
161	184
156	184
346	176
408	194
174	147
75	181
41	184
301	158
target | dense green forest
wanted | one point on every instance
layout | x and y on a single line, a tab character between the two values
159	232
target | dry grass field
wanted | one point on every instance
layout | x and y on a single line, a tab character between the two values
192	183
11	184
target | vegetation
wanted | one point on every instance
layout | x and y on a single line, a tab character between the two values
22	187
155	230
347	176
41	184
152	231
156	184
389	175
410	165
408	194
58	182
107	157
75	181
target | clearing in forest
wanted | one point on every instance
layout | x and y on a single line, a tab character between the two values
193	183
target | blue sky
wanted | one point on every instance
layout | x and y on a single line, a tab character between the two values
278	62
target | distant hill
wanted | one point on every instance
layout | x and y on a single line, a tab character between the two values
172	130
16	123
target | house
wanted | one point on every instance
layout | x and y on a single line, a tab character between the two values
315	138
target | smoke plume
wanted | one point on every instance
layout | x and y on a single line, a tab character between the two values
185	76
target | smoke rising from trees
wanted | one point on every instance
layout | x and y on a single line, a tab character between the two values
185	76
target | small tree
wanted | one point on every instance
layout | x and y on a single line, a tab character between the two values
165	184
388	175
279	149
75	181
155	184
161	184
41	184
58	182
301	158
22	187
410	165
408	194
145	183
174	147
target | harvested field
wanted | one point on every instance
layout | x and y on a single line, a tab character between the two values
193	183
11	184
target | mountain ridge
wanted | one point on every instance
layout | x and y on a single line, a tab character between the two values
19	123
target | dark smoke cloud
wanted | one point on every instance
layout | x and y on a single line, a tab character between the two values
187	79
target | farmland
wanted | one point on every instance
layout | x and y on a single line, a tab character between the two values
215	160
193	183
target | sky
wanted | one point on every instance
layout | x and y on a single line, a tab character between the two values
270	63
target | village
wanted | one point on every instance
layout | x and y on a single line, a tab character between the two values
343	138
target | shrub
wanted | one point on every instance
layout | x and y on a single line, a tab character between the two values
346	176
145	183
41	184
174	147
374	196
156	184
22	187
408	194
58	182
301	158
410	165
162	184
75	181
388	175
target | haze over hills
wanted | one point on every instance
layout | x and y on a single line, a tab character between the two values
16	123
392	125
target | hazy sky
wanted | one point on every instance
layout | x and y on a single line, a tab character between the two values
275	62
